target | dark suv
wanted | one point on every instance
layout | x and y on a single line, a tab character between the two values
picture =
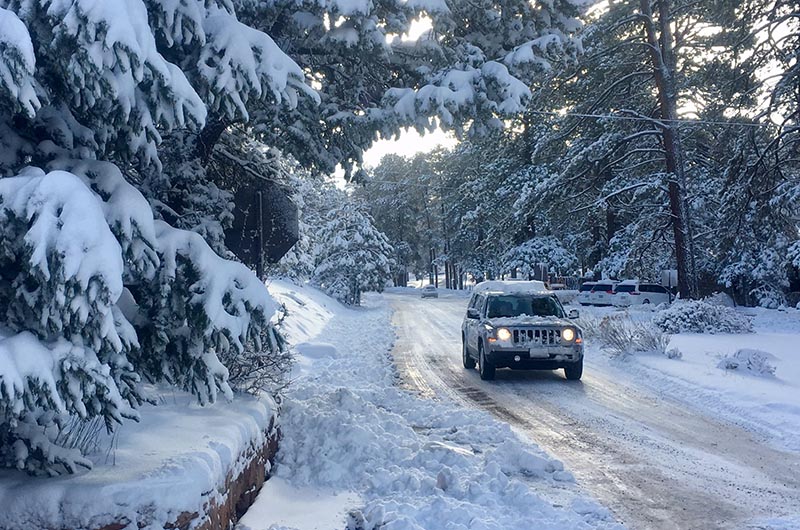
520	328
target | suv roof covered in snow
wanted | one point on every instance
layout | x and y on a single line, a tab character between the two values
509	287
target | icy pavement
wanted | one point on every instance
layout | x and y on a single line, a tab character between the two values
411	463
655	458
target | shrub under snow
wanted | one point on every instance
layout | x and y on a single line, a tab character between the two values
698	316
621	336
756	362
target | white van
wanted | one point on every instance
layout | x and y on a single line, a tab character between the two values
585	292
603	292
632	292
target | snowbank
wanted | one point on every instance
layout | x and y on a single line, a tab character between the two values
389	459
760	394
175	465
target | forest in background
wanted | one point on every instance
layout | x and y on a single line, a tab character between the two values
670	143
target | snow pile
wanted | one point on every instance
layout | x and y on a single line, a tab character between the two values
414	462
697	316
756	362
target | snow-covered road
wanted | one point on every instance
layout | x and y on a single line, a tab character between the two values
657	463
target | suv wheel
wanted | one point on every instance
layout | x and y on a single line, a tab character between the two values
466	358
485	368
574	371
646	301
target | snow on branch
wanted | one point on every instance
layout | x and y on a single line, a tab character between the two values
239	63
17	62
225	292
203	310
73	264
126	211
179	22
113	66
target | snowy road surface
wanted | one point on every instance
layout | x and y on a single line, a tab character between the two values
655	462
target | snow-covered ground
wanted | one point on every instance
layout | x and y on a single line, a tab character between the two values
359	452
768	405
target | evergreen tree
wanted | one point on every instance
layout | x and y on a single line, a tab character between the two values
100	298
98	295
353	256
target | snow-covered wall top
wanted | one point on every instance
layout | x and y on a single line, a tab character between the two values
176	461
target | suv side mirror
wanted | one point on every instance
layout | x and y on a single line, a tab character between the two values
573	313
473	313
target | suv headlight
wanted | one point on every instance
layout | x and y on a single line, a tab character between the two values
503	334
567	334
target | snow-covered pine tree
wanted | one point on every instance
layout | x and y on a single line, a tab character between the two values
544	250
470	71
353	256
98	296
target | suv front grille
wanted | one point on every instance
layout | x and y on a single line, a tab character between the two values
536	337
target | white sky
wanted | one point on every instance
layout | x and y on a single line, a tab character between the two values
408	144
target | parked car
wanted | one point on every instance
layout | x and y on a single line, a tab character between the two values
520	327
603	293
632	292
584	293
430	291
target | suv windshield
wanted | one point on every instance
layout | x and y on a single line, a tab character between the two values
516	305
586	287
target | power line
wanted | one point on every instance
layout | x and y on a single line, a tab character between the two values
649	120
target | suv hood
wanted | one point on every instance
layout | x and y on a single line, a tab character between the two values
530	321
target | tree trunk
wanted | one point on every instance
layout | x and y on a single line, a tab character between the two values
664	69
209	136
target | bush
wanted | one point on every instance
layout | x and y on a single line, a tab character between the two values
589	324
674	353
697	316
621	336
754	361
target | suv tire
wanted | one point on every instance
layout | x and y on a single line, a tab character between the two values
466	358
485	368
574	371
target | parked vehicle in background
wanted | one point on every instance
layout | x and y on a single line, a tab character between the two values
585	293
430	291
603	293
632	292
